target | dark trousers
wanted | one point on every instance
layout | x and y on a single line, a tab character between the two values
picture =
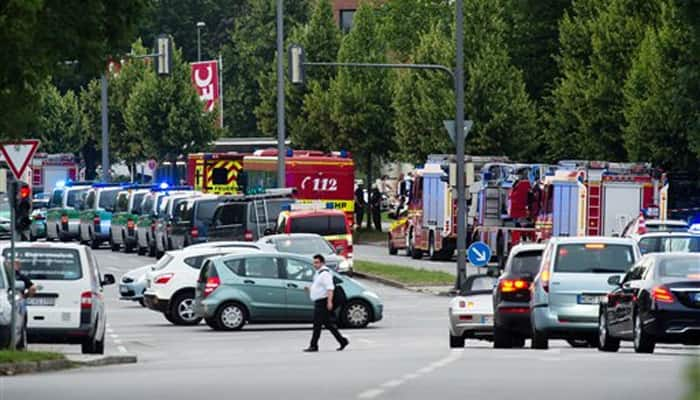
377	218
359	215
324	317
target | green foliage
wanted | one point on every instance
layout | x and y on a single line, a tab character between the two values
35	36
59	123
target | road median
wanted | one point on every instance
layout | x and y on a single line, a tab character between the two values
417	280
29	362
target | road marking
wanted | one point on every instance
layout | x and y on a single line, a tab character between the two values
393	383
121	349
370	394
117	341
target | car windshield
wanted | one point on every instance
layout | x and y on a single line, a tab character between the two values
56	198
205	210
4	204
670	244
594	258
323	225
73	197
108	197
307	245
48	263
526	263
682	268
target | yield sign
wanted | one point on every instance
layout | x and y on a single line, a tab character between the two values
18	154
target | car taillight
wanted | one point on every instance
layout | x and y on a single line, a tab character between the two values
662	294
96	220
163	279
64	219
248	235
513	285
39	217
86	300
194	232
130	224
544	277
211	285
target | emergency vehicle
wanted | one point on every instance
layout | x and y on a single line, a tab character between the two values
595	198
215	173
429	222
316	176
332	224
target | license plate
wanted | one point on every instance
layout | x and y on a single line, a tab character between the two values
589	299
123	289
487	320
41	301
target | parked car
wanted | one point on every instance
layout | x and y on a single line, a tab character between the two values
669	242
309	244
571	283
247	217
259	245
133	284
6	326
37	230
148	220
657	301
641	225
264	287
170	285
471	311
191	220
5	228
511	296
69	305
127	209
164	222
333	225
96	215
63	214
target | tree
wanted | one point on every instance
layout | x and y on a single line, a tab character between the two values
59	122
361	98
89	101
249	51
168	114
38	35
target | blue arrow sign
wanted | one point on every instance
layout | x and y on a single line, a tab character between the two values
479	254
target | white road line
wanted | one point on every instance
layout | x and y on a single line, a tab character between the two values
121	349
370	394
410	376
393	383
114	336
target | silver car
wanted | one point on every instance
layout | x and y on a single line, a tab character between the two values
6	311
471	312
572	280
309	244
133	284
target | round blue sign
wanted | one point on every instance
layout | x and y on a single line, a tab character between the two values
479	254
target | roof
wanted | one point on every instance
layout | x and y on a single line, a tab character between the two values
677	222
672	255
230	244
200	251
591	239
667	234
292	236
528	247
313	213
45	245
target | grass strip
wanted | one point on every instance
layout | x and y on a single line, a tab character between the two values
7	356
406	275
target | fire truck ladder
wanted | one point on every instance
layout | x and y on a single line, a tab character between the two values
260	210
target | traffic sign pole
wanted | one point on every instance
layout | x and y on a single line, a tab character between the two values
11	272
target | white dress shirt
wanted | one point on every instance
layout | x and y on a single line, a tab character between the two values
322	283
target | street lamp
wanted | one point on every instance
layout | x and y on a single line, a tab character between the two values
200	25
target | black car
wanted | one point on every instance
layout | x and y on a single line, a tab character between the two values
191	220
657	301
511	296
247	217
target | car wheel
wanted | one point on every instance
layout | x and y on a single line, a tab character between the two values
518	342
182	310
643	342
356	314
408	245
501	338
142	302
415	253
431	247
539	341
127	248
605	342
94	244
456	342
100	345
169	317
141	250
392	249
113	246
230	317
90	346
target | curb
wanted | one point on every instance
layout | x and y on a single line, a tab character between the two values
399	285
31	367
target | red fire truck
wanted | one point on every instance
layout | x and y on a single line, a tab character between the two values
50	169
316	176
216	173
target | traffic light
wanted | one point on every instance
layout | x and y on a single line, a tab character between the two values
21	202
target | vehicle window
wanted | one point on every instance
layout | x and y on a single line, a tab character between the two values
236	266
74	197
122	203
107	199
307	245
666	228
205	210
56	198
482	283
48	263
163	262
650	245
681	268
208	271
136	204
219	176
197	261
177	204
681	244
163	208
232	214
635	273
161	201
322	225
183	212
90	200
274	208
526	263
261	267
299	270
147	204
593	258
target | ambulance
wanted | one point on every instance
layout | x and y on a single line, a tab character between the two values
214	173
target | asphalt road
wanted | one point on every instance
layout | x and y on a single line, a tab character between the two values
405	356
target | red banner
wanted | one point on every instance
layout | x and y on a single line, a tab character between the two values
205	77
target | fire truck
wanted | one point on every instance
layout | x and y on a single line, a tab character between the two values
429	222
49	169
315	176
592	198
215	173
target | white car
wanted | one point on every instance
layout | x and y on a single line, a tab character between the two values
68	306
471	311
133	284
170	285
640	226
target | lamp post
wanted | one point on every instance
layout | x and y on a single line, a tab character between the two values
200	25
459	136
280	97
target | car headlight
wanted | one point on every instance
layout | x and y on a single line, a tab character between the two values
371	294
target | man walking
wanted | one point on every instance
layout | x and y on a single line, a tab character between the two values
321	293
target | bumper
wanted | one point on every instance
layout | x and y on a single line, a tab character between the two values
471	324
69	231
59	335
674	326
131	291
378	312
514	317
566	323
154	303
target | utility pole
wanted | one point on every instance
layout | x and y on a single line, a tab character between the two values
105	130
200	25
459	135
281	151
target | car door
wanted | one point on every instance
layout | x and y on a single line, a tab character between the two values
298	275
626	296
98	298
264	287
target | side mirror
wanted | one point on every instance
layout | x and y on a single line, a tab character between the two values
108	279
614	280
268	232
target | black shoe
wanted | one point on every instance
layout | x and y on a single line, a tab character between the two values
311	350
343	345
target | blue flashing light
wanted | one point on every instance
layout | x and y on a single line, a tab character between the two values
164	185
60	184
695	229
104	184
286	207
290	153
343	153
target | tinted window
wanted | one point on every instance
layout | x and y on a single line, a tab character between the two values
175	203
299	270
681	244
136	204
526	263
303	246
197	261
163	262
107	199
48	263
56	198
274	208
666	228
650	245
321	225
182	212
593	257
74	197
147	204
90	199
482	283
122	203
232	214
682	268
205	210
261	267
236	266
